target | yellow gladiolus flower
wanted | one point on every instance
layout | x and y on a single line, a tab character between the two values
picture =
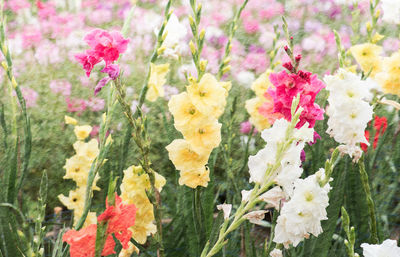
183	110
258	120
261	84
156	81
82	132
129	251
70	120
184	157
368	56
77	168
75	200
389	78
208	95
227	85
204	136
392	64
195	178
133	191
89	149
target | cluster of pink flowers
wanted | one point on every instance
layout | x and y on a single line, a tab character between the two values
288	85
104	46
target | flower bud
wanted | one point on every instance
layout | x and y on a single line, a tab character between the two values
192	47
203	65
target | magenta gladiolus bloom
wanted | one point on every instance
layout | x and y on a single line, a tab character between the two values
88	61
287	86
107	45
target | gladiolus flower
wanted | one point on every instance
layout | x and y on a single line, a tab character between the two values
82	242
380	125
120	217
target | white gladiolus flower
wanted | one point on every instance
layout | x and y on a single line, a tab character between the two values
246	195
258	164
176	32
348	111
275	134
276	253
391	11
302	214
226	208
255	217
290	164
388	248
273	197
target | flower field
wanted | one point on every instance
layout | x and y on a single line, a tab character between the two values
174	128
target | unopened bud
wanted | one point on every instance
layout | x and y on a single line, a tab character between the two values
191	21
199	6
226	69
192	80
4	64
14	82
203	65
378	12
164	36
161	50
227	60
369	26
109	140
4	49
192	47
104	116
202	34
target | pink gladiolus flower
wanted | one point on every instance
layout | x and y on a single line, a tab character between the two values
287	86
16	5
107	45
245	127
31	36
76	105
112	70
88	60
45	9
62	87
96	104
267	109
30	96
101	84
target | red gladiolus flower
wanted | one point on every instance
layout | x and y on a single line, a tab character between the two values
380	125
82	243
119	216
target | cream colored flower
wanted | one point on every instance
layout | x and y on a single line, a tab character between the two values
70	120
82	132
208	95
156	81
184	157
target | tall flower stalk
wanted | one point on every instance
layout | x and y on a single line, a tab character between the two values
138	124
238	218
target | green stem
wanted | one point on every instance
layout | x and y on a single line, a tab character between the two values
232	30
370	202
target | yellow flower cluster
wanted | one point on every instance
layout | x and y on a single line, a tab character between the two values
389	78
368	57
156	81
259	86
196	114
77	168
133	191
